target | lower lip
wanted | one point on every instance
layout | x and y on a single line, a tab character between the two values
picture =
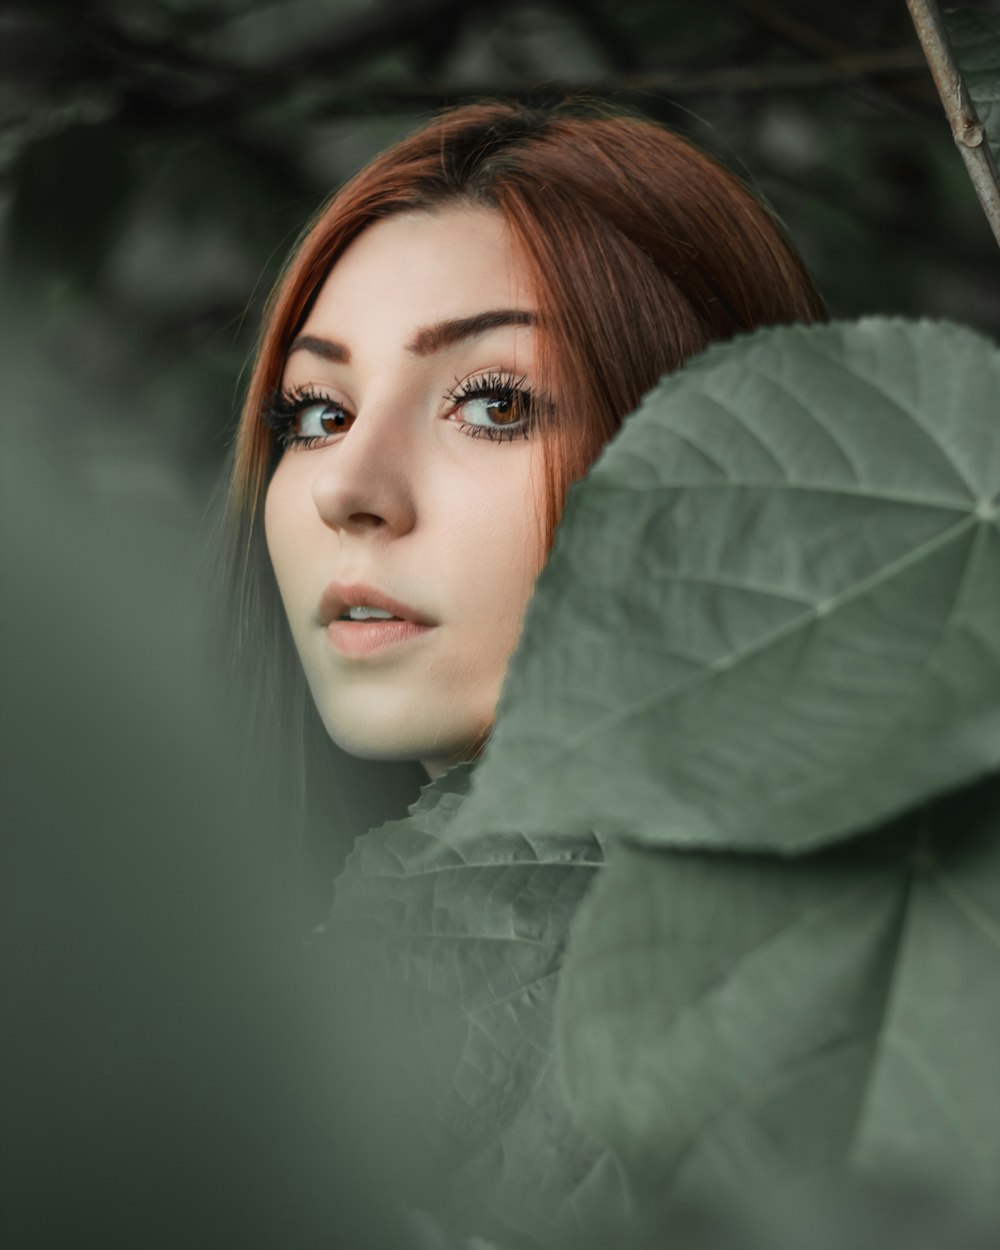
367	637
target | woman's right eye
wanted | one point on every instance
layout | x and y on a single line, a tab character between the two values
303	419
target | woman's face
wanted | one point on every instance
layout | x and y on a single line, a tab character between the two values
410	385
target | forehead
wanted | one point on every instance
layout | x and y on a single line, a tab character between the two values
416	267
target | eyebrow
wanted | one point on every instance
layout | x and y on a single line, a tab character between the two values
428	339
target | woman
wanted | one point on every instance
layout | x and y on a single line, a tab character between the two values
458	333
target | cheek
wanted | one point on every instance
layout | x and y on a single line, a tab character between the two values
273	526
283	529
508	548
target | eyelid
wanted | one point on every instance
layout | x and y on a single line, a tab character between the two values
487	380
317	392
505	372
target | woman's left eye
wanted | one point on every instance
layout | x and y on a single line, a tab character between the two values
497	407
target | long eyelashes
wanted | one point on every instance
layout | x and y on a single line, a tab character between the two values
504	396
504	399
284	409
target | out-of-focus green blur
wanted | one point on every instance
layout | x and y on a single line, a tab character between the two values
173	1073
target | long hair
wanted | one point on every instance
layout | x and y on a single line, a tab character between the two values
642	250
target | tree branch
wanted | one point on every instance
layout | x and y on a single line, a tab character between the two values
966	128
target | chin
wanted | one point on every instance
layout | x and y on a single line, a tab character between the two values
397	739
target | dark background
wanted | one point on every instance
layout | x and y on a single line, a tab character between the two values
158	158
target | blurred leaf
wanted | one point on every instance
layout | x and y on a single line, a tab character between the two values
468	937
731	1021
794	544
975	38
168	1065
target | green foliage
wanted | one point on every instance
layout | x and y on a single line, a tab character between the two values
727	1021
468	934
171	1074
794	544
975	38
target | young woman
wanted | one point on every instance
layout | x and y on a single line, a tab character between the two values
456	336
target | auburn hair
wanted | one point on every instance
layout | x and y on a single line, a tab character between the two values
642	249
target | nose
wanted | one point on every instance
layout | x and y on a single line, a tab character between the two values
366	480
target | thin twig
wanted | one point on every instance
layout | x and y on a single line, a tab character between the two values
966	128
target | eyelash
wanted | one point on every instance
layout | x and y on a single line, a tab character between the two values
285	408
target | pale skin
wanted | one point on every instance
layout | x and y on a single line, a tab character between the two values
395	493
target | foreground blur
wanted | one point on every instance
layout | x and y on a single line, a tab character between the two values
171	1076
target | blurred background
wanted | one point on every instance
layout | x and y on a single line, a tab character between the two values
159	157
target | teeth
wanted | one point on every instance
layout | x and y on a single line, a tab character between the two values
362	613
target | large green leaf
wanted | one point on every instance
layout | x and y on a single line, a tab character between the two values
725	1019
461	942
772	612
975	38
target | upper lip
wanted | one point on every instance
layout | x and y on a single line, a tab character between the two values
339	596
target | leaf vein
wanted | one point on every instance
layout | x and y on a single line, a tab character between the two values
599	729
